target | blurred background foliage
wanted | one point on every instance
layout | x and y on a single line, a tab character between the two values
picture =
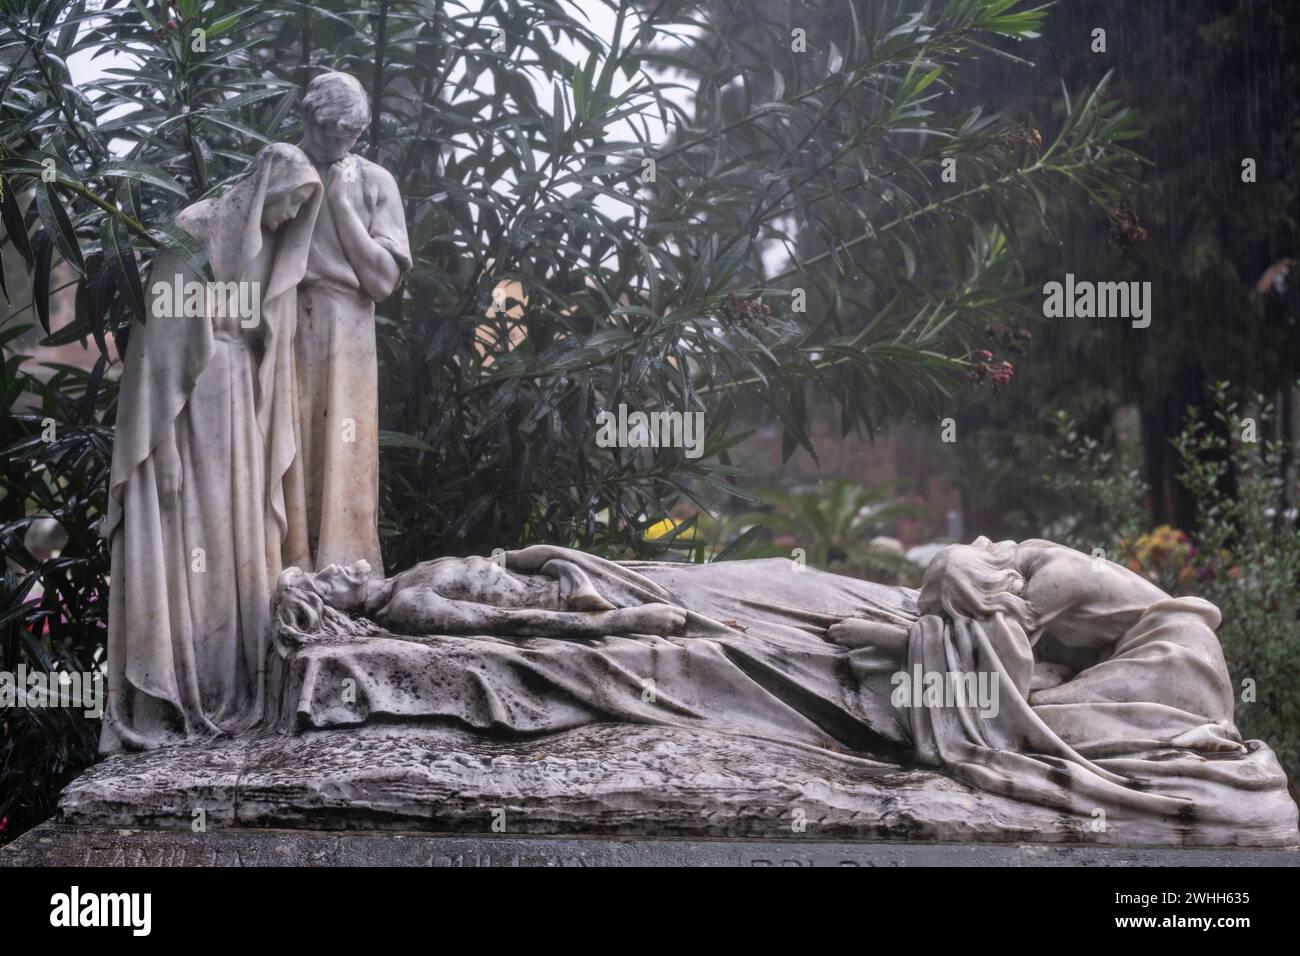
687	211
1215	81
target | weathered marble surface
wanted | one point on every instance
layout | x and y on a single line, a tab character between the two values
568	694
359	253
203	411
1137	739
54	844
248	442
602	780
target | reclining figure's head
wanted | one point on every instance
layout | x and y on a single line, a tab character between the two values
347	589
976	580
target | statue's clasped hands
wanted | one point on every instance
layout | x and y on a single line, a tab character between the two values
337	177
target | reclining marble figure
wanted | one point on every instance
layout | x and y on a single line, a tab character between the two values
1027	670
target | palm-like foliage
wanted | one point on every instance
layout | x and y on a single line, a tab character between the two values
834	523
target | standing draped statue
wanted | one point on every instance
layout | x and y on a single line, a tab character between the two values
246	443
204	438
359	252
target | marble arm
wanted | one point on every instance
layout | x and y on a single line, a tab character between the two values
860	632
374	265
424	611
890	638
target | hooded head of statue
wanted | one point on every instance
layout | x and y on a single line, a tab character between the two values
277	200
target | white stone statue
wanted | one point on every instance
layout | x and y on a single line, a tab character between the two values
1030	671
359	252
204	438
246	451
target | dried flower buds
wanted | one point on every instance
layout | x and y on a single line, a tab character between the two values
736	310
1126	230
1023	136
983	369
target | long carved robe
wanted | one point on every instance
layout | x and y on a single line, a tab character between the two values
1141	738
333	490
192	570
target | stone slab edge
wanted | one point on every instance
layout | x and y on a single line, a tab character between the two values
55	844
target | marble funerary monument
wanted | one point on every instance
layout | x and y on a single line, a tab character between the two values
1026	693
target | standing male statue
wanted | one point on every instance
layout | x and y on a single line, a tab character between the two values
359	251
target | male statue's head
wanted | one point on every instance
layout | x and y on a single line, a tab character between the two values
335	113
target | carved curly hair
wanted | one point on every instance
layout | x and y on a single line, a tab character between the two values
337	96
977	580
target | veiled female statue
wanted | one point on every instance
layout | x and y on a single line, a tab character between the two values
204	437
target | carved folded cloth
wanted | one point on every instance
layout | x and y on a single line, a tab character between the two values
753	658
1141	743
195	499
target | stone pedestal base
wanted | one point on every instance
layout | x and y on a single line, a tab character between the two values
53	844
606	783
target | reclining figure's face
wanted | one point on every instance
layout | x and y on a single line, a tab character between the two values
974	580
344	589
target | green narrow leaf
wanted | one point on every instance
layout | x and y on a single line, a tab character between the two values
557	123
15	227
43	248
224	25
92	389
579	96
55	219
148	17
124	268
835	60
140	172
390	439
185	246
98	299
